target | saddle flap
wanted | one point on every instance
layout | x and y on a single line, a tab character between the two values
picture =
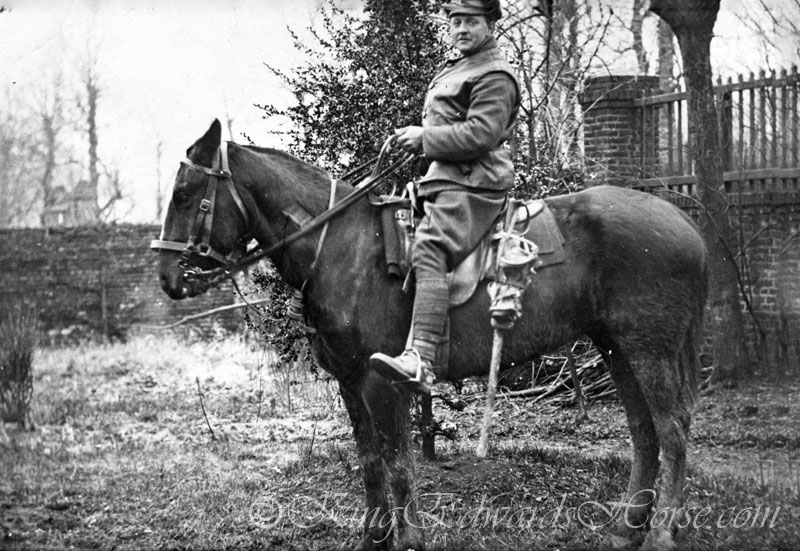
463	281
534	222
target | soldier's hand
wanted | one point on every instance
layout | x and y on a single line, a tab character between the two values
409	138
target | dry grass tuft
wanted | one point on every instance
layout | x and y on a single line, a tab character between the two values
18	338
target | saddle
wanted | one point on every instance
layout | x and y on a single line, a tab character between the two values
533	222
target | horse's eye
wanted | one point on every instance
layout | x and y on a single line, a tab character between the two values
180	199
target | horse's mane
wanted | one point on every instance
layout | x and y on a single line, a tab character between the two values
309	183
296	162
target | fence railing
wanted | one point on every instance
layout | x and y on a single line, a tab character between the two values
759	124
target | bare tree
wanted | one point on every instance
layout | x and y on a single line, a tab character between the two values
100	174
692	21
159	191
637	23
18	143
51	111
776	27
552	45
89	108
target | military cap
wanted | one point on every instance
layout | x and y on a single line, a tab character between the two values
488	8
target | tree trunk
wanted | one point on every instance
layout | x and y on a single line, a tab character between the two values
692	21
92	96
666	57
637	22
159	191
50	131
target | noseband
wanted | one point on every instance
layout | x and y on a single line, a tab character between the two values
199	242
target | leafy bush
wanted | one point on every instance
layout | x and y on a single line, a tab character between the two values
18	338
285	335
364	76
545	177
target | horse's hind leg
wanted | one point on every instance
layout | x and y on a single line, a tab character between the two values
377	522
663	388
640	494
391	412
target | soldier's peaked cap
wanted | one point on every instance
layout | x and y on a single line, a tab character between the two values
488	8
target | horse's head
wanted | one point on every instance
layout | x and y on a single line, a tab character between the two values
206	222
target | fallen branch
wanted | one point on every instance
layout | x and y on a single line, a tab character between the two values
203	407
593	382
206	314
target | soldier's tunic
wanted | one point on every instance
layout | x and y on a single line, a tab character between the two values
469	113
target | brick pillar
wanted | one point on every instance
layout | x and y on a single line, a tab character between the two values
612	130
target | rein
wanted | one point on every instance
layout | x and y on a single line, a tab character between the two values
236	261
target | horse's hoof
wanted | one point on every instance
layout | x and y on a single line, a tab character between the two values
410	544
616	542
370	543
659	540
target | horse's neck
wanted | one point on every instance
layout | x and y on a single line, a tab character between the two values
288	195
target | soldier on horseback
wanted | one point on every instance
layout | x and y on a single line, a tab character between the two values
469	114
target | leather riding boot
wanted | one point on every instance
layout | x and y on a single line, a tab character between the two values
415	366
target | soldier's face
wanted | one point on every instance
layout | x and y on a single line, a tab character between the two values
468	32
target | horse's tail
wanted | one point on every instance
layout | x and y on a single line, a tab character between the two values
689	360
689	363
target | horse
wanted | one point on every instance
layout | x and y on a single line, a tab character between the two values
634	280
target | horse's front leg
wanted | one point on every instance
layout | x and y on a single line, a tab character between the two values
377	521
391	413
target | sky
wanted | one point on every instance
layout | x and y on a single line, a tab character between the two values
167	68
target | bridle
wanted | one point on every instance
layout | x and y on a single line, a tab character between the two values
199	242
239	258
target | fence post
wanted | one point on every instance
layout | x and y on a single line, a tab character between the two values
615	131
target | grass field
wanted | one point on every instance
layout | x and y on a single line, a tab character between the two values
122	457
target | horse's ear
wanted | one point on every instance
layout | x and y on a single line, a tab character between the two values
204	149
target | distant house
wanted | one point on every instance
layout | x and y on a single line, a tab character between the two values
68	209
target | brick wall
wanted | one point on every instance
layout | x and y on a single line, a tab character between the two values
767	223
612	130
95	280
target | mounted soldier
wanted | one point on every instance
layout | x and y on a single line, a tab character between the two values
631	275
469	114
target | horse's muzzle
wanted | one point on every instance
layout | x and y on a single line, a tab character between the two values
172	277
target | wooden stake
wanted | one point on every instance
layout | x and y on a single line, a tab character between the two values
491	394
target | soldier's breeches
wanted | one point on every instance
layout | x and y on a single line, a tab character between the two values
454	224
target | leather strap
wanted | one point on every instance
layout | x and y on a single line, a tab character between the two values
220	170
331	204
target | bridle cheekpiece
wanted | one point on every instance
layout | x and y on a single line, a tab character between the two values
199	242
